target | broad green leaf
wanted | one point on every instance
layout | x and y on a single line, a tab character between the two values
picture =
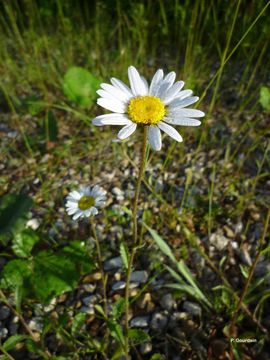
77	323
13	214
265	97
124	254
24	241
13	340
80	86
14	273
161	244
56	272
78	252
138	336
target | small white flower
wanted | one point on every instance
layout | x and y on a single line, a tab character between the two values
156	106
85	201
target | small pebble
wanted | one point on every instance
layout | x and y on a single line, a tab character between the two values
159	321
140	321
33	224
192	308
167	302
139	276
146	348
3	332
4	312
114	263
119	285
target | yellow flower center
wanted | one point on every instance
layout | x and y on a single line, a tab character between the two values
146	110
86	202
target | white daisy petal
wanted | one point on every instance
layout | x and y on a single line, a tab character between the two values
112	105
170	78
126	131
71	211
77	215
170	131
183	94
157	78
136	83
105	94
186	113
122	86
183	121
154	137
72	204
180	103
145	84
111	119
74	195
115	92
94	210
173	91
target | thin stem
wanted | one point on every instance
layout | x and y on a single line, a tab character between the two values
250	276
24	323
6	353
134	235
103	277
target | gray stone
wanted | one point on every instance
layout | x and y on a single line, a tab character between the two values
119	285
89	300
113	263
167	302
89	287
140	321
192	308
219	241
139	276
146	348
90	310
159	321
4	312
3	332
33	223
36	324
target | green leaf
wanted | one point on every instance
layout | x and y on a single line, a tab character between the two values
78	252
77	323
14	273
80	86
265	97
24	241
100	310
124	254
116	332
157	357
118	308
161	244
56	272
138	336
13	214
13	340
184	270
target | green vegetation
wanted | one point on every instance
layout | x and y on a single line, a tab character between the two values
204	205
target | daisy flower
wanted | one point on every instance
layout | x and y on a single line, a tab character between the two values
85	201
158	106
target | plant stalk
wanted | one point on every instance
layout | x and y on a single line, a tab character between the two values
99	258
134	235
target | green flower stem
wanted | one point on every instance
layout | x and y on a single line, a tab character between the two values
135	234
103	277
